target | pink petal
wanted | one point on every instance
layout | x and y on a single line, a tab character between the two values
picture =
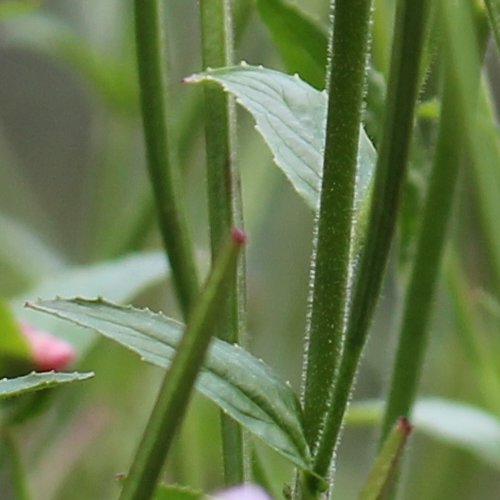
49	352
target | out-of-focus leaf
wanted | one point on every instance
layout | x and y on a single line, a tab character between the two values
302	43
493	8
14	349
175	492
113	79
119	280
243	386
384	467
10	387
14	8
29	257
459	424
290	116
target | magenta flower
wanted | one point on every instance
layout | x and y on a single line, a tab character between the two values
243	492
49	352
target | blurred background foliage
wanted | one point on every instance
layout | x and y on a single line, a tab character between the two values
74	191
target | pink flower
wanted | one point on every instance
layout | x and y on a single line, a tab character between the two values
243	492
49	352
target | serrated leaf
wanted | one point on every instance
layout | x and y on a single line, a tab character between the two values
302	43
290	116
458	424
11	387
243	386
119	280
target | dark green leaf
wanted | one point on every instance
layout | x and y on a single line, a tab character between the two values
303	44
243	386
175	492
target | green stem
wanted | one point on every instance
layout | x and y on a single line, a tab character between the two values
179	380
410	28
425	273
224	198
430	246
151	59
350	31
17	471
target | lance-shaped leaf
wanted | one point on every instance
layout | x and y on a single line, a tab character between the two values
243	386
384	467
291	116
10	387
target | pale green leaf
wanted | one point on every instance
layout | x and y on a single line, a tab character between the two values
290	115
464	426
10	387
243	386
493	8
119	280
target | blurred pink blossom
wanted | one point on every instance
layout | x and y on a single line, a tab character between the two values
243	492
49	352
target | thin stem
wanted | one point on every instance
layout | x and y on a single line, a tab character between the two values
350	31
152	62
425	273
410	27
179	380
224	198
437	210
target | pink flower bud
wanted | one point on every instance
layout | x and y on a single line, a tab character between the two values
49	352
243	492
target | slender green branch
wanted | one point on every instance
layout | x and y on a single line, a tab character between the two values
430	245
425	272
328	297
179	380
152	62
410	28
224	198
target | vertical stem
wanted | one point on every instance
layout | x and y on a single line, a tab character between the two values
431	241
180	378
350	32
152	64
224	198
402	94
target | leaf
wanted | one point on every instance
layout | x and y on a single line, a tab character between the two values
14	349
243	386
10	387
13	8
384	467
302	43
119	280
493	8
290	116
29	257
464	426
176	492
